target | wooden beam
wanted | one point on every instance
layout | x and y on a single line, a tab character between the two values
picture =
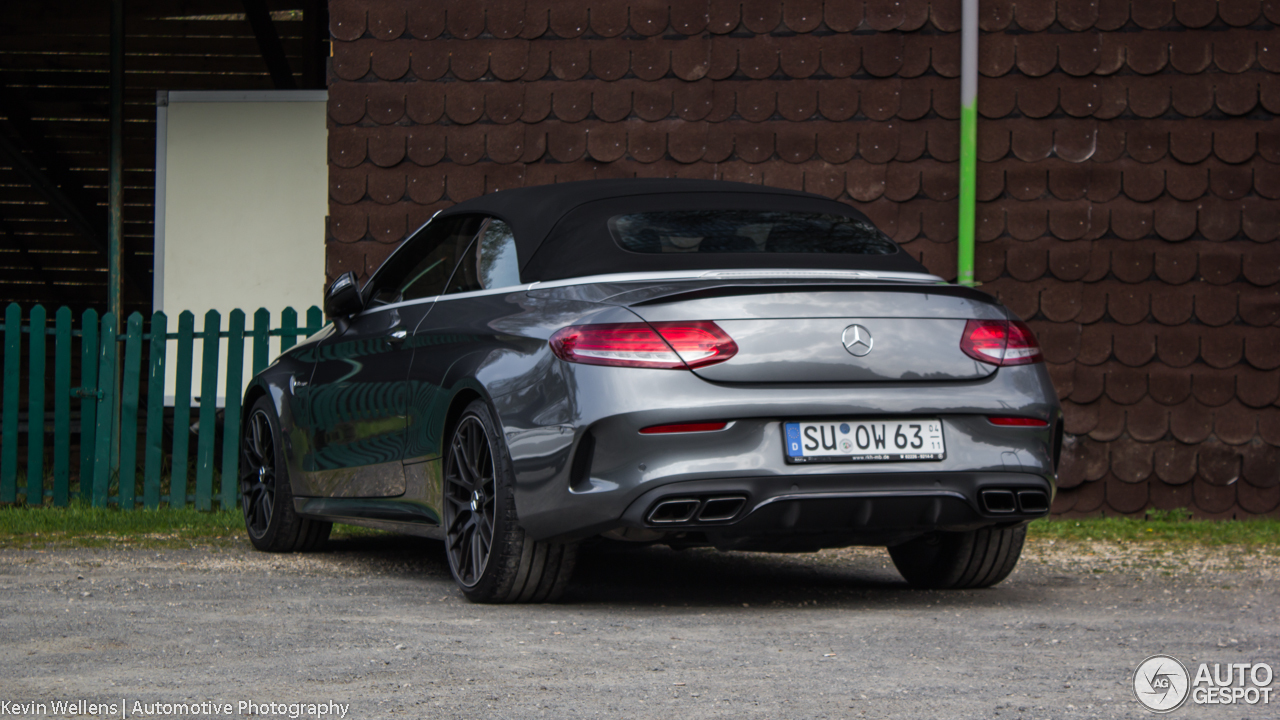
269	44
49	190
115	171
315	43
28	139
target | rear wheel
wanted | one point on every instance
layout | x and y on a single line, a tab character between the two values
265	495
491	558
958	560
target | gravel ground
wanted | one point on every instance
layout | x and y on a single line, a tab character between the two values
376	624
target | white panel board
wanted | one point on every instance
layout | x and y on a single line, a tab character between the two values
241	199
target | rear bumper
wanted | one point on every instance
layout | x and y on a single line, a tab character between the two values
808	513
586	469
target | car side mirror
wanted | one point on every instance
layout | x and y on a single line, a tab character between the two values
342	299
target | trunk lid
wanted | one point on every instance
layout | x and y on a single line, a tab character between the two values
806	333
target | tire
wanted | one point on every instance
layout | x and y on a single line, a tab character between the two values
490	557
266	497
960	560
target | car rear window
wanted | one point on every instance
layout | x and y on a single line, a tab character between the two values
747	231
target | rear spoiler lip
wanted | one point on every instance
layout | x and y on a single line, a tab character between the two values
730	289
883	280
721	283
759	274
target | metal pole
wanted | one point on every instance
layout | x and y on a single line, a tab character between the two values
115	172
115	204
968	139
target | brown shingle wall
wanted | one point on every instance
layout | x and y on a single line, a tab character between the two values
1129	175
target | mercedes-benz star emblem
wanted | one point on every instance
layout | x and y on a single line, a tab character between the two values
857	340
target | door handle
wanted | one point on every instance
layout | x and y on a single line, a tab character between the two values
398	336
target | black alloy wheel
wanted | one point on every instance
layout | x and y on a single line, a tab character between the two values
258	484
491	558
265	495
470	501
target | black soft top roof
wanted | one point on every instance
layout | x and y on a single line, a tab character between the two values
561	230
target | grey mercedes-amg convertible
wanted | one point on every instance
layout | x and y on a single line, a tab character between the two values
694	363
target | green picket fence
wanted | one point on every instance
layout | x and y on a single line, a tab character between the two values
110	470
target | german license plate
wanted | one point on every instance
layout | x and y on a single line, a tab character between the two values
895	440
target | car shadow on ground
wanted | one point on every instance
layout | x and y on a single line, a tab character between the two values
612	574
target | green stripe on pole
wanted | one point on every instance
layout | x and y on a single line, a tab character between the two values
182	411
9	414
106	413
208	410
968	193
231	410
88	401
129	412
155	411
61	406
35	409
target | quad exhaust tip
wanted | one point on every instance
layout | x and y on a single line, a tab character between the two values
1000	502
721	509
1033	501
708	510
674	511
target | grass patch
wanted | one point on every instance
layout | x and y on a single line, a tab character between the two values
1159	526
80	525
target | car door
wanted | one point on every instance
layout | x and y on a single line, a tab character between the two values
358	415
456	327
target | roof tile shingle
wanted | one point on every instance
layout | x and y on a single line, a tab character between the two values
1213	387
1171	304
1178	346
1210	498
1061	302
1258	500
1260	465
1222	347
1090	497
1126	497
1147	421
1168	386
1190	422
1175	462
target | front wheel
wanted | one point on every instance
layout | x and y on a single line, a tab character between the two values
489	555
959	560
265	495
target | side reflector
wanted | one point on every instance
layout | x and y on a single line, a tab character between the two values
684	428
1017	422
666	345
1000	342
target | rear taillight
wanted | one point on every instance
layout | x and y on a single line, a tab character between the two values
671	345
1000	342
684	428
1018	422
